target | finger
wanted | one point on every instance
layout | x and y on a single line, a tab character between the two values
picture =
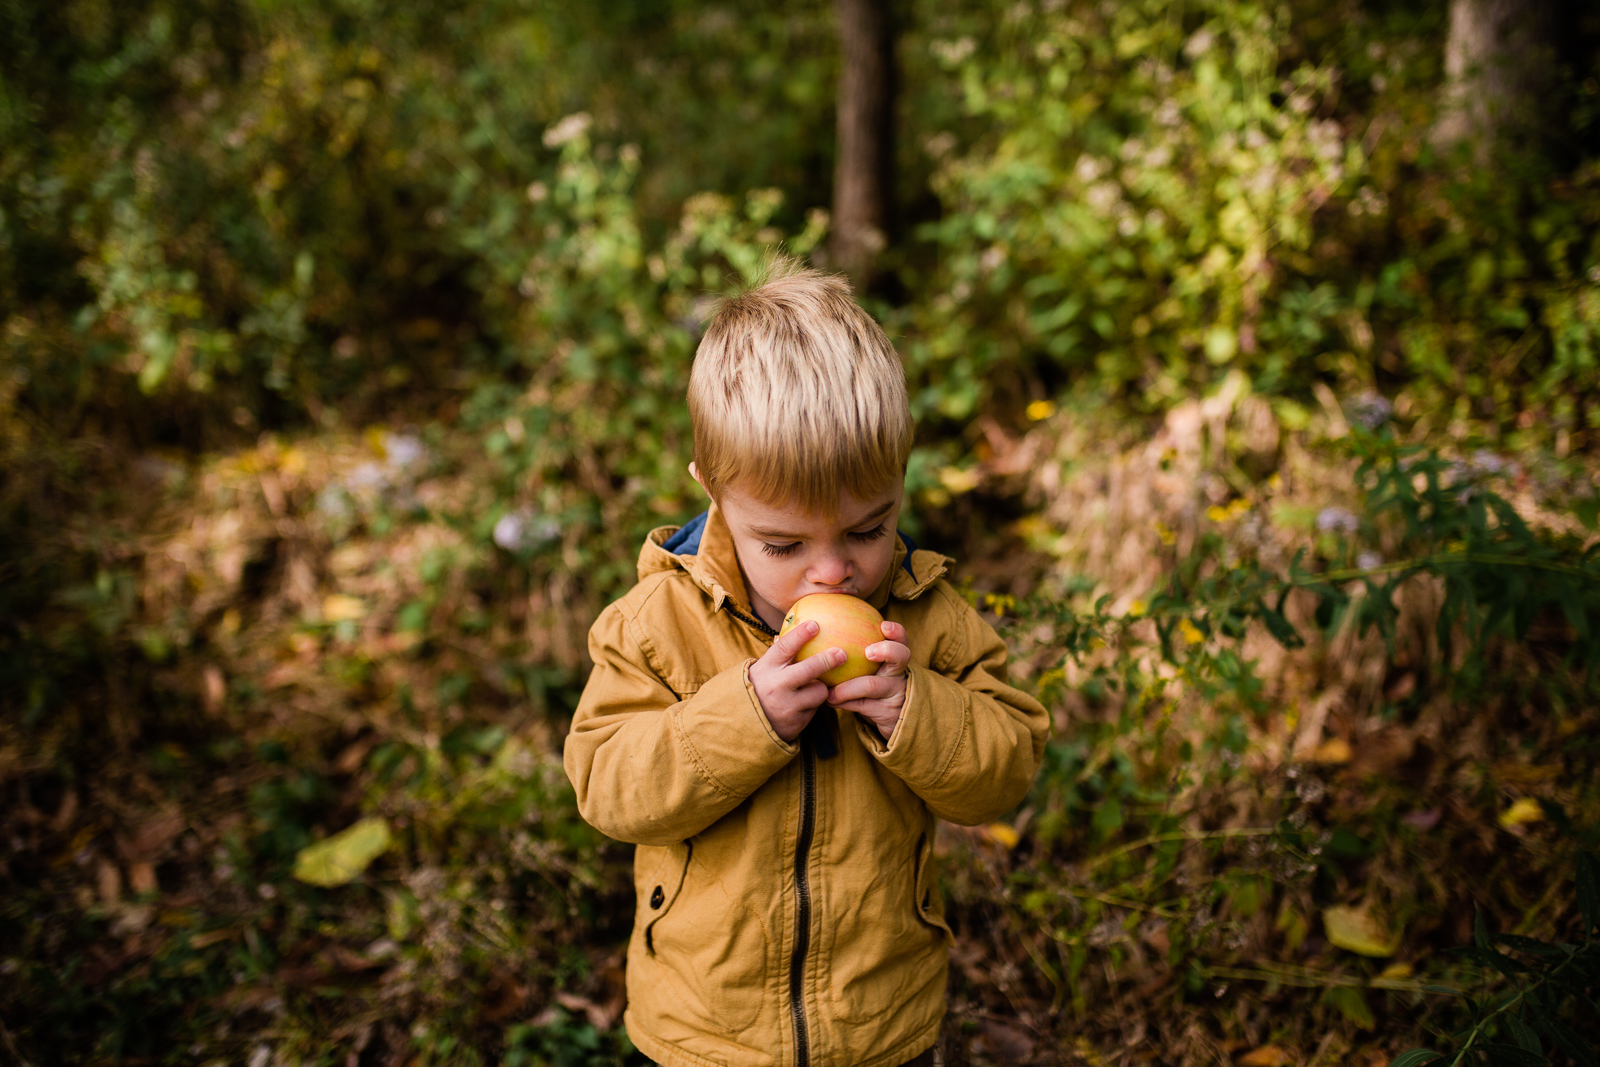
893	631
867	707
867	687
892	654
812	668
812	696
784	648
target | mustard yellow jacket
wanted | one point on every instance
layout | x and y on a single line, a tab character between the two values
788	911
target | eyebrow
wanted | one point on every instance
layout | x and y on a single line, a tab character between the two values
878	513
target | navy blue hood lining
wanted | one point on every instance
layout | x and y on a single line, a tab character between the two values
686	541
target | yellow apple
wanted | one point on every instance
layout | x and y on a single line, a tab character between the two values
845	622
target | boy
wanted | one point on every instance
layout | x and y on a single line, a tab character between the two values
788	910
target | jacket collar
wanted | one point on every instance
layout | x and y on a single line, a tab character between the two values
703	547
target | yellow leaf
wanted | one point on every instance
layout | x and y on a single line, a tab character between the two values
959	481
1216	514
1333	752
1191	633
1522	811
1397	971
338	859
1164	532
336	607
1002	834
1267	1056
1357	930
1137	608
1041	409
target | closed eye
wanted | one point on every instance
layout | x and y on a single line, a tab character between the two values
779	550
872	534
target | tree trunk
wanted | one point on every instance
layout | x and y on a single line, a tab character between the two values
862	172
1500	63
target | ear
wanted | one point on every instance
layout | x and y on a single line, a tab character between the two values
695	474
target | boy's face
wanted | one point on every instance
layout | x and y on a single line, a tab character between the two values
787	553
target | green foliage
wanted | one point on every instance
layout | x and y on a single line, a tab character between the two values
262	203
1154	197
1119	218
1548	982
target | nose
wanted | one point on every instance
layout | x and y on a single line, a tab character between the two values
831	569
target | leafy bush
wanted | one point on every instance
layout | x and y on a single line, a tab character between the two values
1151	199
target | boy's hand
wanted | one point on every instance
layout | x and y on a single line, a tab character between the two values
790	692
879	696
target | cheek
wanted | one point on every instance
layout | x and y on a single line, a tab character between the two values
876	559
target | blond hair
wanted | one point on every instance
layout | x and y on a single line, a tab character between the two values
796	393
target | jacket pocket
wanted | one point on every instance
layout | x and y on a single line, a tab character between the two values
705	958
927	898
656	900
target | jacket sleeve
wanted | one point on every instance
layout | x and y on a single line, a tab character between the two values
653	769
967	743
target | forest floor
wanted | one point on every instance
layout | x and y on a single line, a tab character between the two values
1263	869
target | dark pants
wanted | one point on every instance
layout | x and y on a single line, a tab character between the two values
924	1060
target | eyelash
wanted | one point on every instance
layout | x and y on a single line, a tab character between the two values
863	536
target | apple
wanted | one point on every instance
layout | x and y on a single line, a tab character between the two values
845	622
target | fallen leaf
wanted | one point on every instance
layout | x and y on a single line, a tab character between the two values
337	607
340	858
1397	971
1357	930
351	759
1002	834
1521	812
152	836
1333	752
142	878
214	688
1267	1056
109	881
597	1015
1352	1004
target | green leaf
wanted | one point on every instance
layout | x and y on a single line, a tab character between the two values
1281	629
1524	1035
1357	930
340	858
1415	1057
1352	1004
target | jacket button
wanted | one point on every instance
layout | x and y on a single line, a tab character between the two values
657	897
927	898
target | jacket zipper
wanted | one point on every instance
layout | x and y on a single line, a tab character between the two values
802	885
802	881
749	620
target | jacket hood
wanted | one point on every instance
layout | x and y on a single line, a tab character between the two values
703	548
